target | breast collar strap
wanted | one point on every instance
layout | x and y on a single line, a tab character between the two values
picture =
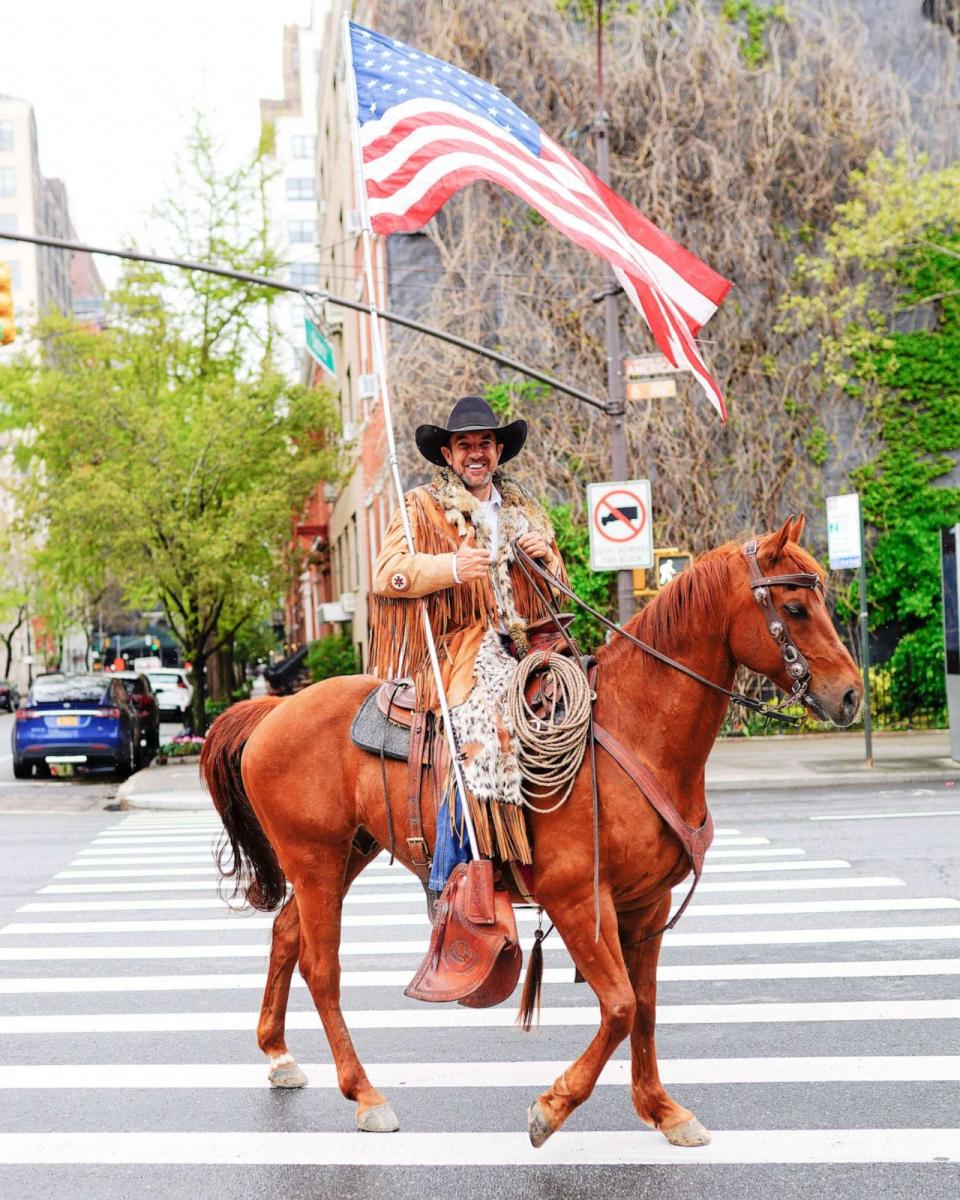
794	662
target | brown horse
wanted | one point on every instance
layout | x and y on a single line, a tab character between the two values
301	804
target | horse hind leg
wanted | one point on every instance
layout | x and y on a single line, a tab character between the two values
271	1028
651	1100
284	952
320	898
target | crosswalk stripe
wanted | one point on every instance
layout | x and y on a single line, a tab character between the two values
534	1074
117	869
773	1012
240	923
573	1148
174	885
722	972
774	908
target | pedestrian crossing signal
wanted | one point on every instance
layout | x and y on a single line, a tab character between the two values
8	331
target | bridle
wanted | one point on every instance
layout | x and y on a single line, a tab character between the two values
796	665
794	662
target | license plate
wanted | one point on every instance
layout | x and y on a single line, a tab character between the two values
68	720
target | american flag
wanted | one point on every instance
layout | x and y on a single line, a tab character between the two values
428	128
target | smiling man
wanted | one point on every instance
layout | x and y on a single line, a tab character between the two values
465	524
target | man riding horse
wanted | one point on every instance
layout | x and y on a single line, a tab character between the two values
465	523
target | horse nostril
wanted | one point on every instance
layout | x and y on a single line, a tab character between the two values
851	702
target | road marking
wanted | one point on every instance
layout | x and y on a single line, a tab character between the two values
245	924
161	885
108	870
433	1017
574	1148
535	1074
721	972
951	812
416	897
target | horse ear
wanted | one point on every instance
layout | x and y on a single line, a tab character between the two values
798	527
779	539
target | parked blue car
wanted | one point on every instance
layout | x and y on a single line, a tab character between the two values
76	723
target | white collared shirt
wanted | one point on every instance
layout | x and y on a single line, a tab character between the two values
487	517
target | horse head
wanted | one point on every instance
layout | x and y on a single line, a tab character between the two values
761	635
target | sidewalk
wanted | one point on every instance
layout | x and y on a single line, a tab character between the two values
735	765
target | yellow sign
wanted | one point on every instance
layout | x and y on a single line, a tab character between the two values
668	563
8	331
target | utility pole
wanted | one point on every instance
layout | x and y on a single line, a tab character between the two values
616	409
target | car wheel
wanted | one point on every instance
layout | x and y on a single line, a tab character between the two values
22	770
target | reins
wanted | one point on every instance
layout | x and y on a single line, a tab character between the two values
759	582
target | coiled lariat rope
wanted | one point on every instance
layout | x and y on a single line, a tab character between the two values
550	748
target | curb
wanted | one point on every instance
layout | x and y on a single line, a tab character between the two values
867	777
171	801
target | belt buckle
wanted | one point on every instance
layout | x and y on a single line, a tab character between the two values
425	851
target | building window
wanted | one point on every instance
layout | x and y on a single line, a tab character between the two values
302	231
303	145
8	185
6	135
14	274
305	274
8	222
301	188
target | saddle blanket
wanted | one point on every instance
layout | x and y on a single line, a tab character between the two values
371	730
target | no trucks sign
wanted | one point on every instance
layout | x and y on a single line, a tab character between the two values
621	525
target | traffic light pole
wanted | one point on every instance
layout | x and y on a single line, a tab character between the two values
316	295
615	406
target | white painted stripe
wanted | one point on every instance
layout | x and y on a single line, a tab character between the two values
180	839
434	1017
240	923
948	812
536	1073
139	872
696	909
574	1148
90	858
713	852
721	972
61	889
790	885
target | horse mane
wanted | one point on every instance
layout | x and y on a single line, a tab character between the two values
695	596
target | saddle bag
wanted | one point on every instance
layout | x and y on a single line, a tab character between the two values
474	954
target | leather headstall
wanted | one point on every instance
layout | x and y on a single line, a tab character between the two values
796	665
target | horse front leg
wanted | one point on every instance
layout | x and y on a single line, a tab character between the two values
653	1103
601	965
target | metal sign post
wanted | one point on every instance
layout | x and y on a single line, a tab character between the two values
950	568
847	549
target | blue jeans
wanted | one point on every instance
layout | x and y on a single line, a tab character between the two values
452	846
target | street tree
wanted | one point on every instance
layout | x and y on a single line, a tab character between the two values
165	452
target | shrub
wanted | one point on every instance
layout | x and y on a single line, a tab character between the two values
330	656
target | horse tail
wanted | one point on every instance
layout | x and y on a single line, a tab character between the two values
244	854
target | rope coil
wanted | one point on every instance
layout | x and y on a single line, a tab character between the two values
550	748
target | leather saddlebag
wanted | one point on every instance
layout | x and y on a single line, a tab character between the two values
474	954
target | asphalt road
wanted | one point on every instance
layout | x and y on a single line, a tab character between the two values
809	1009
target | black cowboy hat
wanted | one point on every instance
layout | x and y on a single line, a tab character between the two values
470	413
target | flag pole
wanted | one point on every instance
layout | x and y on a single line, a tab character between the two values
616	407
380	370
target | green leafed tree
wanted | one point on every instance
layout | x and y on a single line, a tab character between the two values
884	303
166	452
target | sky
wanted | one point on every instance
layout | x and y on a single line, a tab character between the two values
115	83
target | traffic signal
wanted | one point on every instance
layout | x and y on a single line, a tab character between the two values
8	330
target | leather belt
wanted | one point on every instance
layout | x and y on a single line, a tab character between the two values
416	843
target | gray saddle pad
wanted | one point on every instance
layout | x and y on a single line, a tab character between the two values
371	730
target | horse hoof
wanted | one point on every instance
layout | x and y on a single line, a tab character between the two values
286	1075
538	1125
688	1133
379	1119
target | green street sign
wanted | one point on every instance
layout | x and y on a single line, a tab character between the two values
319	348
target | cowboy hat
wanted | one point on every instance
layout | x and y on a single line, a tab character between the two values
469	414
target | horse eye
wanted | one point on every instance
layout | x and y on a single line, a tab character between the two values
794	610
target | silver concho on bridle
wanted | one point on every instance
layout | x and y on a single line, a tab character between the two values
794	662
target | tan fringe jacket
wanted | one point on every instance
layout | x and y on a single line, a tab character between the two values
459	613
